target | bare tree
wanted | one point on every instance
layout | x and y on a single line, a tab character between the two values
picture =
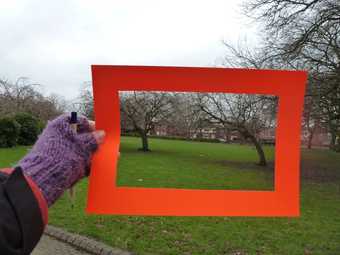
84	102
309	121
143	109
16	96
294	26
238	112
301	34
187	117
24	96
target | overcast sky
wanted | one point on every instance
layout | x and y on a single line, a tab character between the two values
55	42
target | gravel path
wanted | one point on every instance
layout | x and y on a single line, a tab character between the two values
49	245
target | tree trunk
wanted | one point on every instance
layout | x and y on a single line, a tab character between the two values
310	139
337	146
227	136
260	152
145	144
332	144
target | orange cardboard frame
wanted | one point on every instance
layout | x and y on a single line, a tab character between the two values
105	198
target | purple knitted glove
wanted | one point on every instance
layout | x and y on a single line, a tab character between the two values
61	156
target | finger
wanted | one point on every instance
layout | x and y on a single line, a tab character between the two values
83	125
92	125
99	135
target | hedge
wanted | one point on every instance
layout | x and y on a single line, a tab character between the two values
9	132
29	128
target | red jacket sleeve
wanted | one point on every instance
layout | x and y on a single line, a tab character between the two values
23	213
37	193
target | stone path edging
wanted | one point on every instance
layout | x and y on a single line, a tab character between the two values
83	243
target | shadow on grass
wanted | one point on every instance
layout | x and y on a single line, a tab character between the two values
314	172
247	165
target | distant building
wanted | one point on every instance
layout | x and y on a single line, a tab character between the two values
267	135
210	131
321	136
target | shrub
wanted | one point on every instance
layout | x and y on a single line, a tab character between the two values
29	128
41	125
9	132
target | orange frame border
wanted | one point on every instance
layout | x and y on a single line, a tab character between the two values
105	198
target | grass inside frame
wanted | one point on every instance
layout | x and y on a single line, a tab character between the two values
105	198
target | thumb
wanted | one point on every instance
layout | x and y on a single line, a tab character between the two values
99	135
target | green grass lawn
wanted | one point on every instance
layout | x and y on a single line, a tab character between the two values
196	165
8	157
218	166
